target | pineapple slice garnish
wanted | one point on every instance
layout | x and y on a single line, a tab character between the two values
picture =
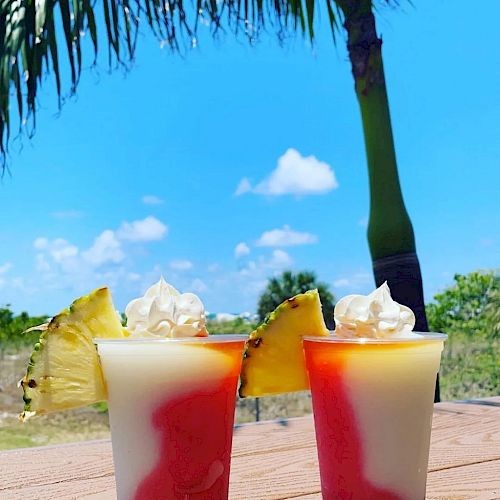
273	362
64	370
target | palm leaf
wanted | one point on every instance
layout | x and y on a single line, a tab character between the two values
32	44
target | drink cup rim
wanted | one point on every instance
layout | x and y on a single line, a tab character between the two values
424	337
210	339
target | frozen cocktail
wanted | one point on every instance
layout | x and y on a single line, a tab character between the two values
171	396
170	388
372	389
171	405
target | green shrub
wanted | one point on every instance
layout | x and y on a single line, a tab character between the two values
468	312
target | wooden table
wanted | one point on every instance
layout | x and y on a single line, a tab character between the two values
274	460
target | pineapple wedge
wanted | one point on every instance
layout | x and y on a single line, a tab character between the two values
64	370
273	362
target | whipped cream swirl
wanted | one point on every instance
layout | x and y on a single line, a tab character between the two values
165	312
375	315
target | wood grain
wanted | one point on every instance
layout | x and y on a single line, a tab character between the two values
262	437
464	434
479	481
274	460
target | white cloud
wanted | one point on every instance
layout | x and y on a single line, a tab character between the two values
61	265
181	265
61	255
280	259
106	248
243	187
277	261
285	237
295	174
148	229
151	199
241	250
68	214
5	267
249	280
41	243
61	250
246	280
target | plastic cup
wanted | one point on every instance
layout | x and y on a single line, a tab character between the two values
373	403
171	408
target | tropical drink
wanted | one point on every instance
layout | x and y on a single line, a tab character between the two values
170	387
171	414
372	389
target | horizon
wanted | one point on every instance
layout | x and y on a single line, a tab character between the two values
226	167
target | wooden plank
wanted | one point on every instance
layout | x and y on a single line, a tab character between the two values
273	460
281	474
52	467
464	434
100	488
262	437
477	481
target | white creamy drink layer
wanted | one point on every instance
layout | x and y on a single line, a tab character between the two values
134	374
148	374
391	390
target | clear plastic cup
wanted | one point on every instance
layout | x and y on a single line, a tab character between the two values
373	403
171	407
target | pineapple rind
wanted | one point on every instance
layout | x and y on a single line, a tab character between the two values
273	361
64	370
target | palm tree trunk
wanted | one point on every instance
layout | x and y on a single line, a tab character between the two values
390	232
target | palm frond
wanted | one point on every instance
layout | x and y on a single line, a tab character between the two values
41	37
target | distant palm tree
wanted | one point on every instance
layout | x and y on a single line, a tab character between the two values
30	49
287	285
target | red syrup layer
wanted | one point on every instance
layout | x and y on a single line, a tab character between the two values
195	433
338	437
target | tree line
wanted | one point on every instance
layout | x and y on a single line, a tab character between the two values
470	306
12	327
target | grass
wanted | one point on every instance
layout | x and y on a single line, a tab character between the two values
470	367
77	425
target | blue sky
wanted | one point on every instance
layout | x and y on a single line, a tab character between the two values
144	174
